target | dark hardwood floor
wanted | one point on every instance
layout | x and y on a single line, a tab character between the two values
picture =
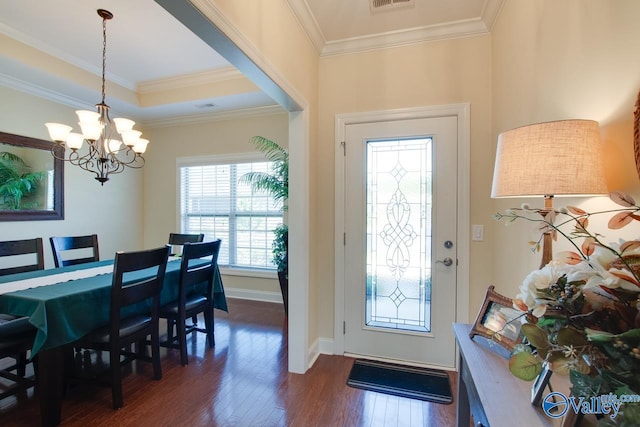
242	382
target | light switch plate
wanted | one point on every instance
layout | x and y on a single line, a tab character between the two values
477	232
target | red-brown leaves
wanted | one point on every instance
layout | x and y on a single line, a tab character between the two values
589	246
622	199
570	258
621	219
576	211
629	246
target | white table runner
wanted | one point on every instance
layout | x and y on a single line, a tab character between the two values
54	278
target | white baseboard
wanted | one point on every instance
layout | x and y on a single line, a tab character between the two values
253	295
319	346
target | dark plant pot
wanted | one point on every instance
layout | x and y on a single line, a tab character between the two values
284	288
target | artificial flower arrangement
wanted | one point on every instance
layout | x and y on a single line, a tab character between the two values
582	308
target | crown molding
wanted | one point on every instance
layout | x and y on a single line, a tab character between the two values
467	28
307	21
214	117
41	92
491	11
50	50
458	29
190	80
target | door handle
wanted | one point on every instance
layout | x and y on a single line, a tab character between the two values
448	262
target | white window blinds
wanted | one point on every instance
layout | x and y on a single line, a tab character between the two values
213	202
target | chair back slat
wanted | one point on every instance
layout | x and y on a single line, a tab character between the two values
137	276
22	247
60	245
181	239
193	272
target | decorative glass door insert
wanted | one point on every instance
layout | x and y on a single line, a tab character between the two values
398	223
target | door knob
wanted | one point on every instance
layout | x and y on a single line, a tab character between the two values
447	262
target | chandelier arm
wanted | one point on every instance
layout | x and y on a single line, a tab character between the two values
128	152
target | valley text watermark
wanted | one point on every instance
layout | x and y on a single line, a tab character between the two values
556	404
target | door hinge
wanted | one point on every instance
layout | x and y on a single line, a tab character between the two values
344	328
344	148
344	239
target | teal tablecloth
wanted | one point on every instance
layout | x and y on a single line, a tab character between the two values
64	312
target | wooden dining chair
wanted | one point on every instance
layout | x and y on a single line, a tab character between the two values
195	295
181	239
177	239
16	339
16	334
74	245
14	248
137	281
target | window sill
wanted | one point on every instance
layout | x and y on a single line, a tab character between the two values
249	272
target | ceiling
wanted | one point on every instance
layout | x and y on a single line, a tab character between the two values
158	70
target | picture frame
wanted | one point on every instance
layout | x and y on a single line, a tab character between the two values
540	384
498	321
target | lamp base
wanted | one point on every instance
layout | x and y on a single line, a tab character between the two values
547	238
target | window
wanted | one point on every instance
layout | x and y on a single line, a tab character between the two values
214	202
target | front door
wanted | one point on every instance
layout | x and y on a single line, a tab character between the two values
400	240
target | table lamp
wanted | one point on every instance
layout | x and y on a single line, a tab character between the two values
559	158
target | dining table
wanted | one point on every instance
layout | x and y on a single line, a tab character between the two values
66	303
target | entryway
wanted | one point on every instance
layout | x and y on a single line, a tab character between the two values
400	240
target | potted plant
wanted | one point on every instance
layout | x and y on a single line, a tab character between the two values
16	182
276	184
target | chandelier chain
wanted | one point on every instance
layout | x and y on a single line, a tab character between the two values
104	55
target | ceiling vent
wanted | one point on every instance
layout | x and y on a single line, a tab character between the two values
380	5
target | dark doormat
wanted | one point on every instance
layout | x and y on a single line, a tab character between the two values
404	381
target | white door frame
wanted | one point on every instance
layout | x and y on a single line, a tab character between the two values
461	111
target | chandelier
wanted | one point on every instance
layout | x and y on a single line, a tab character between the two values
113	145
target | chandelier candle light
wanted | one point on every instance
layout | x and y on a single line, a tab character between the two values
113	145
560	158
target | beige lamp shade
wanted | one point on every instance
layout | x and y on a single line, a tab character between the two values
561	158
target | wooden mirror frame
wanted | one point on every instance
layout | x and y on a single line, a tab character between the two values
491	299
57	213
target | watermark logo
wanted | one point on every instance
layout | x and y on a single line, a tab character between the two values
556	404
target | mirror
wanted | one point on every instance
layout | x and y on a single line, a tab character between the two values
31	180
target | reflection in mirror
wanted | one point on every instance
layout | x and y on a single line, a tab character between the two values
31	180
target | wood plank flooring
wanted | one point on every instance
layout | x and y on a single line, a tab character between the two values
242	382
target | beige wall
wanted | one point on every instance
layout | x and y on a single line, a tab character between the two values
113	211
557	60
215	137
444	72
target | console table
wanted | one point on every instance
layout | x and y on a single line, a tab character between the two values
489	392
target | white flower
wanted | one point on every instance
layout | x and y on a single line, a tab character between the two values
602	261
538	280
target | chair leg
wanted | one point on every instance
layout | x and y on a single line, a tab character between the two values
170	323
208	325
155	354
182	340
22	364
194	320
116	379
